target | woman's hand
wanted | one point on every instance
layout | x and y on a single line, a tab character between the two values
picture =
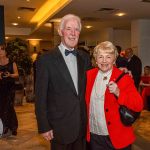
4	75
7	74
113	88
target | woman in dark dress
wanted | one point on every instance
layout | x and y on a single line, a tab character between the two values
8	73
145	87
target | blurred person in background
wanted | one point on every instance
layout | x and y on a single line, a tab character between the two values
145	87
121	61
134	65
8	73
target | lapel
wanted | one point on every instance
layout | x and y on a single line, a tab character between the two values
80	68
91	75
91	79
115	74
62	67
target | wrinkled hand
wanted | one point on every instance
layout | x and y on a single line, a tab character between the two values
113	88
48	135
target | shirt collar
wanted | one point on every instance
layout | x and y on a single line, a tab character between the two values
62	48
105	73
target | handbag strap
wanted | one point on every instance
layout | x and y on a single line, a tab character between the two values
120	76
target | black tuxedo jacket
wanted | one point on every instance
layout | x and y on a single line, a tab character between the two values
58	107
135	66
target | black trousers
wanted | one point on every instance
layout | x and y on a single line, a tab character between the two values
100	142
8	114
79	144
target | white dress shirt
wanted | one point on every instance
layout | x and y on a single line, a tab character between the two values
71	62
97	113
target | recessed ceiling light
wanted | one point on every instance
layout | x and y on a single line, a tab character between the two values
120	14
14	24
88	27
6	37
18	17
28	0
48	24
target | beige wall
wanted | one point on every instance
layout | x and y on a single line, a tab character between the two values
118	37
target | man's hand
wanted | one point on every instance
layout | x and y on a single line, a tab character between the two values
126	71
48	135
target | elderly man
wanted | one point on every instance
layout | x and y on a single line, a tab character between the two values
60	90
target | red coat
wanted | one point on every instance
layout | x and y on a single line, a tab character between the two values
120	135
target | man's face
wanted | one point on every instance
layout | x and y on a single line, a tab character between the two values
70	33
128	53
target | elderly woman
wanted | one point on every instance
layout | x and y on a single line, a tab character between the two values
103	96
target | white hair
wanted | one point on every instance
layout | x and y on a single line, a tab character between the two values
68	17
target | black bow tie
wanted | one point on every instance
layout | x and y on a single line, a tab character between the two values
67	52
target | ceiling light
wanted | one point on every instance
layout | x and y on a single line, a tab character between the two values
48	24
120	14
28	0
47	10
88	27
18	17
14	24
6	37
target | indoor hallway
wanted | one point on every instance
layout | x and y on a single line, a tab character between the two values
28	138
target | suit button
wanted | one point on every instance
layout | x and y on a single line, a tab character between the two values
108	122
106	109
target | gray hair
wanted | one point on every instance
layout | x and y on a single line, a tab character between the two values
68	17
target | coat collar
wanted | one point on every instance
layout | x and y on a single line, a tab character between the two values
91	76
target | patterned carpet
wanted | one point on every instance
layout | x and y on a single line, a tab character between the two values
142	125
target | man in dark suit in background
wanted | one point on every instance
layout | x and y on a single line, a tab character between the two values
121	61
60	90
134	65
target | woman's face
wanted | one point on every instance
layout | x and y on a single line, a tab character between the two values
105	61
2	51
146	71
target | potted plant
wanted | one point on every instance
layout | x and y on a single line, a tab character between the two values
17	51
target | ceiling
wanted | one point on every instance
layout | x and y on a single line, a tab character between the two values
97	13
